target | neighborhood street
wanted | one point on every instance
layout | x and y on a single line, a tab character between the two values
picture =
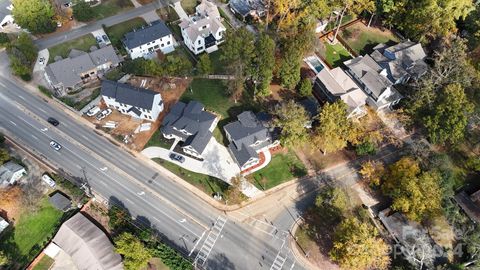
58	38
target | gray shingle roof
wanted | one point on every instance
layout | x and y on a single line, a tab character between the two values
7	170
193	119
406	58
60	201
128	94
245	132
154	31
87	245
368	71
67	71
242	155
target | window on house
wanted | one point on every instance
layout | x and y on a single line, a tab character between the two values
131	50
163	45
148	43
156	47
168	42
199	42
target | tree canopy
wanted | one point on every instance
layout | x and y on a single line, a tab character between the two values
448	119
204	65
420	19
357	245
135	255
335	129
305	88
83	12
37	16
292	118
263	64
22	54
415	193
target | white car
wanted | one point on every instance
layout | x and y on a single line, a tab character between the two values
55	145
92	111
48	180
107	112
100	116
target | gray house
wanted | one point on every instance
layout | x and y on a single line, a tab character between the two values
247	137
10	172
248	8
403	61
372	78
80	67
191	124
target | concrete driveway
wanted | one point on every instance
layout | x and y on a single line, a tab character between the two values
217	163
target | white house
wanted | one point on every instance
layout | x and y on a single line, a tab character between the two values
137	102
372	78
149	39
10	173
331	85
192	125
203	31
248	137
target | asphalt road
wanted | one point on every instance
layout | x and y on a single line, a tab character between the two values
86	29
150	196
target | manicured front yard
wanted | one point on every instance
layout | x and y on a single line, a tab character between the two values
362	39
158	140
30	233
218	65
111	7
116	32
82	43
282	168
335	54
206	183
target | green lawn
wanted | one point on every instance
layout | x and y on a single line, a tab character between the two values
282	168
82	43
111	7
44	263
218	65
206	183
362	39
31	233
336	54
189	6
212	93
158	140
116	32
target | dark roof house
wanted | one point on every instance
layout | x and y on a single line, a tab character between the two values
245	8
246	136
129	94
190	123
60	201
146	34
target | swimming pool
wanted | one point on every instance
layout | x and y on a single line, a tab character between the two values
314	63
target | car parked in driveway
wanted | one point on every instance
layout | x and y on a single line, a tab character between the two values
177	157
100	116
107	112
53	121
55	145
93	110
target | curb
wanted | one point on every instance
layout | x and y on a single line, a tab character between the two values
294	247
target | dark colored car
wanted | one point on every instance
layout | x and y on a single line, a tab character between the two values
53	121
177	157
